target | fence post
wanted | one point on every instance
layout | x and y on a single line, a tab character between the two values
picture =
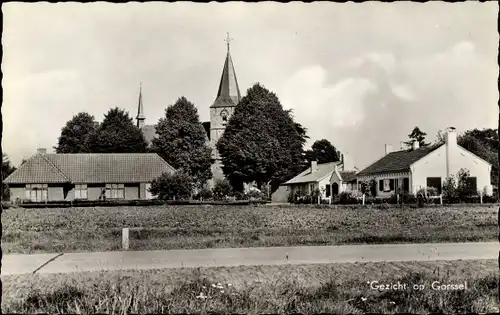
363	199
481	196
441	199
125	242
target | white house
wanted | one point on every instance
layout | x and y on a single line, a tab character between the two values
317	176
343	178
429	166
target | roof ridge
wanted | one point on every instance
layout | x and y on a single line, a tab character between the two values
55	167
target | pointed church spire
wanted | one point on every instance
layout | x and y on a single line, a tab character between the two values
229	91
140	110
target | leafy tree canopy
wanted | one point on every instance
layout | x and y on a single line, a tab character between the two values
261	143
181	140
118	134
78	135
175	186
417	135
322	151
7	169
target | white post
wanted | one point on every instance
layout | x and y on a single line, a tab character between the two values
441	199
319	200
125	242
481	196
363	199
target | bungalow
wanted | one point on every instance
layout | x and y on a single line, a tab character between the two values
315	177
90	176
422	167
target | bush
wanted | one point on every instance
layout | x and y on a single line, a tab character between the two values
450	192
222	189
205	193
346	198
175	186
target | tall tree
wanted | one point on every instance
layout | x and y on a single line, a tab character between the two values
7	169
322	151
181	141
417	135
261	142
483	143
118	134
78	135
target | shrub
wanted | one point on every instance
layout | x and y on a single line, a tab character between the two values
450	192
222	189
205	193
175	186
346	198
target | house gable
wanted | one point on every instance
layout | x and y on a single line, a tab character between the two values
37	170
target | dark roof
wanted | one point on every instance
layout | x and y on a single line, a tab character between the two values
398	161
348	176
229	91
149	132
90	168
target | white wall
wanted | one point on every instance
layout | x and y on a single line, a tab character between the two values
434	165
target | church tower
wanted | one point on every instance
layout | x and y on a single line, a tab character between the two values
140	111
228	96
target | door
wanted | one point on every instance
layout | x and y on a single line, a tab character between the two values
335	189
406	184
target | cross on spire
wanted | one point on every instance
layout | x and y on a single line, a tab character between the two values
228	40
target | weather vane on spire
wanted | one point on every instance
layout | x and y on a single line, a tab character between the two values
228	39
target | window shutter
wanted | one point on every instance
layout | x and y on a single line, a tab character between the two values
381	185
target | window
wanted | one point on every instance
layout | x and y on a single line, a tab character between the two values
328	190
81	191
36	192
386	185
434	182
115	191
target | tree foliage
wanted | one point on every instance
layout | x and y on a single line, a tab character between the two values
78	135
222	188
181	140
261	142
322	151
417	135
172	186
118	134
7	169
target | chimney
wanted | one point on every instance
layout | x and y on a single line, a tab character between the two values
41	151
450	140
388	149
314	166
416	145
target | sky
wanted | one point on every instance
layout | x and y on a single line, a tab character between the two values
359	75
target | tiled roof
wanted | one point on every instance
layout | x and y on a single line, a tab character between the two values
348	176
307	177
398	161
229	91
149	132
90	168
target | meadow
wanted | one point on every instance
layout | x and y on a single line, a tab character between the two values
190	227
330	288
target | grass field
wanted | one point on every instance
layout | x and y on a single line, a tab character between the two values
332	288
189	227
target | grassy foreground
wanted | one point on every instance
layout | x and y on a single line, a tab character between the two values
189	227
332	288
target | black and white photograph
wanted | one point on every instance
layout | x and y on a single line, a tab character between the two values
250	158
